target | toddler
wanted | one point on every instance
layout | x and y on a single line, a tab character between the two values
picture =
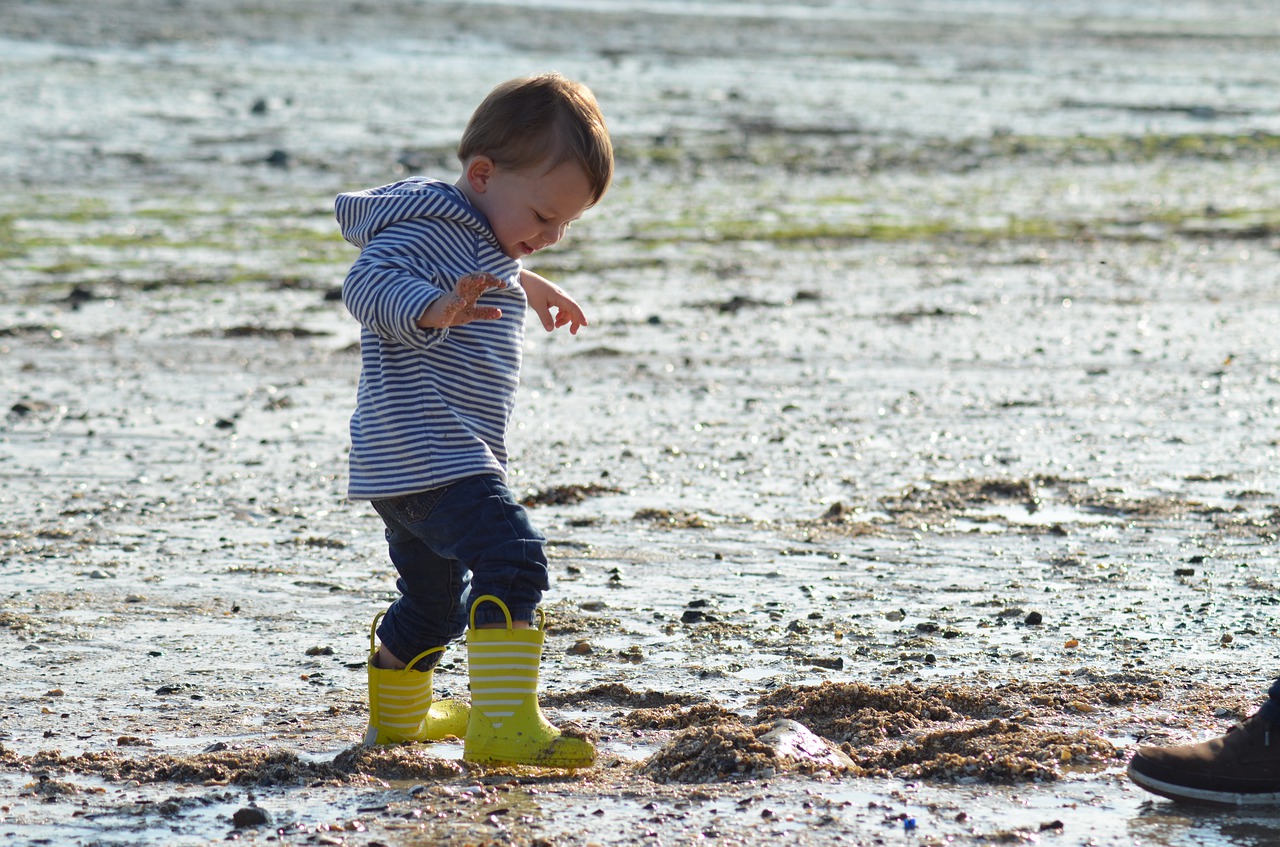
441	297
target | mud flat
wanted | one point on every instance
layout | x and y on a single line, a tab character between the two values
920	462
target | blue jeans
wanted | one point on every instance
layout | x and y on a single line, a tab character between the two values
465	539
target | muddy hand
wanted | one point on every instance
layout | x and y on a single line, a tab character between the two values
461	307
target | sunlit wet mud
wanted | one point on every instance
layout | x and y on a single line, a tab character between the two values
920	459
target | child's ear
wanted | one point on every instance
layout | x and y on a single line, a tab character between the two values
479	170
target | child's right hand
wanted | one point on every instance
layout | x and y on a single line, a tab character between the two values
459	307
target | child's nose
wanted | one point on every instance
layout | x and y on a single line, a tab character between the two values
552	235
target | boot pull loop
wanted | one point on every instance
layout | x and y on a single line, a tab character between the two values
424	654
506	613
373	646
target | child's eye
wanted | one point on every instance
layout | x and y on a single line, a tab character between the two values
540	218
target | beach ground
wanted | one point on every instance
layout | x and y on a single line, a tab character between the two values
929	402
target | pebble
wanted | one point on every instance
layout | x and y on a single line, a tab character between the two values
1034	619
250	816
836	664
793	740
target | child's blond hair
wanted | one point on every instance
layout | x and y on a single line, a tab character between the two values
542	121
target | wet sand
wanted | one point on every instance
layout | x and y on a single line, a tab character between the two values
929	402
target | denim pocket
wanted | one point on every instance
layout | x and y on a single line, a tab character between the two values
411	508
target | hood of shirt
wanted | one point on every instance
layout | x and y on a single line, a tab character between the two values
363	214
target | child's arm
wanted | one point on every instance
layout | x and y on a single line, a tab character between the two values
544	296
396	297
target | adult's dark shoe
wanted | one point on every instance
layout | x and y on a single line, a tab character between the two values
1236	769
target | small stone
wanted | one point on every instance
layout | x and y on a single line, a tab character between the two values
250	816
794	741
132	741
831	664
1034	619
581	648
319	651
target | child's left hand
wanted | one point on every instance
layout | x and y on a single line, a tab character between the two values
554	307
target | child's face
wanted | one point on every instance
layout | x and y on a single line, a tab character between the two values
528	209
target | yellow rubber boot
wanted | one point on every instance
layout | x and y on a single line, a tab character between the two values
400	703
506	724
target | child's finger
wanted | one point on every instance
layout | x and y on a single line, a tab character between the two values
485	313
473	285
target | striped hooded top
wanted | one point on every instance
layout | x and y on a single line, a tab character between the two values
433	404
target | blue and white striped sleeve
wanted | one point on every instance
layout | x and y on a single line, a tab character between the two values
387	291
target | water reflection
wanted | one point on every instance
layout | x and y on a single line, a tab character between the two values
1162	822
